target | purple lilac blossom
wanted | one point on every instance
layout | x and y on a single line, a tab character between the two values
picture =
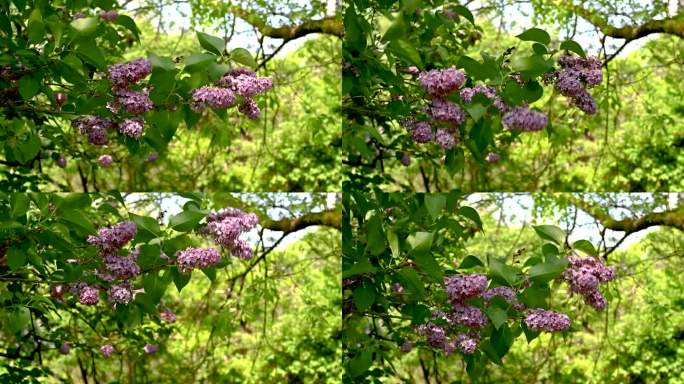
107	350
549	321
227	225
135	102
445	139
492	157
191	258
120	294
65	348
461	287
250	108
132	127
439	83
466	343
505	292
126	74
61	161
525	119
105	160
109	15
445	111
468	315
168	316
213	97
111	239
150	348
94	127
89	295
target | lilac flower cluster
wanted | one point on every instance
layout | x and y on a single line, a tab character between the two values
525	119
507	293
132	127
584	275
227	225
467	342
126	74
440	83
107	350
434	334
492	157
191	258
134	102
105	160
213	97
150	348
241	82
465	286
122	267
88	295
109	15
65	348
61	161
445	111
575	76
111	239
168	316
120	294
542	320
489	91
94	127
468	315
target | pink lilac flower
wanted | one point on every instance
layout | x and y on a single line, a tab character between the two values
109	15
132	127
577	74
585	102
584	275
439	83
111	239
467	94
446	111
153	156
422	132
168	316
150	348
250	108
467	343
105	160
464	286
89	295
65	348
135	102
445	139
405	159
525	119
213	97
120	294
94	127
227	225
126	74
107	350
407	346
191	258
61	161
436	336
492	157
245	82
549	321
123	267
468	315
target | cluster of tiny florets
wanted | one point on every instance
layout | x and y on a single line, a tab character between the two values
465	286
525	119
467	315
120	294
575	76
507	293
94	127
440	83
105	160
109	15
191	258
542	320
126	74
168	316
584	275
107	350
122	267
445	111
133	102
132	127
111	239
227	225
213	97
88	295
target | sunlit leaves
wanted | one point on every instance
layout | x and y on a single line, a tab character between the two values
535	34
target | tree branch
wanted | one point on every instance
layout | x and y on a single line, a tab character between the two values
670	25
329	218
670	218
329	25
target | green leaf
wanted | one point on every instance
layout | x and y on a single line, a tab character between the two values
550	233
28	149
80	220
16	258
186	221
85	26
20	204
420	242
35	26
242	56
573	46
364	297
476	110
409	6
529	334
428	265
549	250
585	246
363	266
28	86
497	315
470	261
149	256
90	52
360	363
463	11
419	313
409	279
18	319
393	241
498	268
180	279
148	228
161	62
375	236
547	271
396	30
535	34
198	61
502	340
471	214
211	43
535	296
435	203
406	51
128	23
210	273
